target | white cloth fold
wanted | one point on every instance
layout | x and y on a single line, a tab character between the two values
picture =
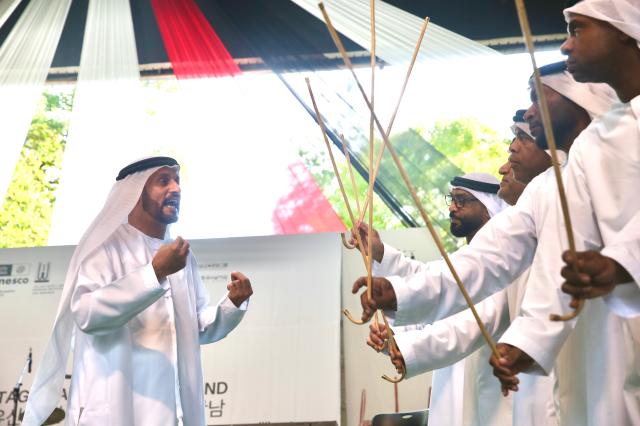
595	98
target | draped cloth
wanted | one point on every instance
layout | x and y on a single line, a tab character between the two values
6	9
194	48
102	126
397	31
25	58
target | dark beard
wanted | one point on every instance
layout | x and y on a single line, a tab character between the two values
464	228
155	211
542	142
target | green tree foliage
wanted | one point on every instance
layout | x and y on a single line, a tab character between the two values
26	211
319	165
469	145
431	159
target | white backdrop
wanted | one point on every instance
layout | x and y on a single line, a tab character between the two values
282	364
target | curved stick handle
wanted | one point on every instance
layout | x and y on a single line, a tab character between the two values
395	379
351	318
392	344
404	371
346	243
569	316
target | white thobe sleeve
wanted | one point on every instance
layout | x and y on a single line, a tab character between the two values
394	262
215	322
501	250
606	207
451	339
625	298
101	304
532	331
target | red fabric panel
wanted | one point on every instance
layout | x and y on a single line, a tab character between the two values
194	48
304	209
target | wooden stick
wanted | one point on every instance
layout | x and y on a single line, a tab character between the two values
344	194
392	344
410	187
371	149
374	173
351	175
551	142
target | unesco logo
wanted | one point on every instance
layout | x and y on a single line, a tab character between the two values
42	275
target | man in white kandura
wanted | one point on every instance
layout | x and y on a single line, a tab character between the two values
529	233
457	336
604	46
464	391
598	364
136	311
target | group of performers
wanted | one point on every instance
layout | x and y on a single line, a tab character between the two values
584	371
136	312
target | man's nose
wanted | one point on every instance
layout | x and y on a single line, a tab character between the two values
567	46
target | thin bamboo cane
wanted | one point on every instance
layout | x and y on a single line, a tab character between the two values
371	148
345	150
410	187
551	142
374	173
344	194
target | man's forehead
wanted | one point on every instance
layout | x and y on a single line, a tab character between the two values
166	171
461	191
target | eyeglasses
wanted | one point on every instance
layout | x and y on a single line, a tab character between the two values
459	200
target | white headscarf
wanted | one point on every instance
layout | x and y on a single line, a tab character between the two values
622	14
521	125
48	383
595	98
491	201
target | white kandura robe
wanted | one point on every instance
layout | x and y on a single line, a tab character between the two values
497	254
137	342
599	365
464	389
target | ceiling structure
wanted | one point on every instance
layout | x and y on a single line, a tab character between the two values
261	34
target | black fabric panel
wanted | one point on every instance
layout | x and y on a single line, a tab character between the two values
148	39
487	19
70	45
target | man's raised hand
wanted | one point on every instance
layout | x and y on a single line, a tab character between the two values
170	258
376	243
377	336
239	288
597	275
382	296
512	361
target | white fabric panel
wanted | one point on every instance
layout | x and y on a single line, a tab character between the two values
25	59
280	365
105	120
397	31
6	9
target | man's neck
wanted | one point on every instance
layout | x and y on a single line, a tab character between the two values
152	229
626	81
564	142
